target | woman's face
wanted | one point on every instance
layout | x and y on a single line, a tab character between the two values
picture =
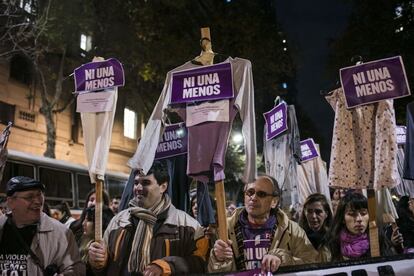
87	226
315	215
356	221
91	201
57	214
194	208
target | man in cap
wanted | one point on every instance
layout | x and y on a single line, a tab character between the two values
31	243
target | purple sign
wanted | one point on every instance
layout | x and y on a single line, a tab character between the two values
308	150
276	121
374	81
173	142
401	134
99	75
202	84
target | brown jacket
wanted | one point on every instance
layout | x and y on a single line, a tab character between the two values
178	245
290	244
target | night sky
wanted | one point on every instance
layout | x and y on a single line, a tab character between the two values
309	25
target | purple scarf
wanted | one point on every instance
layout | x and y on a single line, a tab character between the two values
353	246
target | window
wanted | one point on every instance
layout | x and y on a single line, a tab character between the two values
130	123
6	113
86	42
58	185
115	187
26	5
84	186
21	69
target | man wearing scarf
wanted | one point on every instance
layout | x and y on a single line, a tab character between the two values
151	237
261	236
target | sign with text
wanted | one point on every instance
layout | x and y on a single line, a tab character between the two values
99	75
276	121
202	84
308	150
173	142
374	81
96	101
401	134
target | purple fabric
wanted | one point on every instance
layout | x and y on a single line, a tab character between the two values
353	246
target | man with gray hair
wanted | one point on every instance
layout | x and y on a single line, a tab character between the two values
31	243
261	235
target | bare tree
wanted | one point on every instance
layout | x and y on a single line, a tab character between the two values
30	29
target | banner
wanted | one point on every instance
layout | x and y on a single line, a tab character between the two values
401	134
308	150
202	84
99	75
276	121
173	142
374	81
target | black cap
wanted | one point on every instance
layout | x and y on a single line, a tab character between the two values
22	183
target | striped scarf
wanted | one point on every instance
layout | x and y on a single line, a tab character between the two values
140	250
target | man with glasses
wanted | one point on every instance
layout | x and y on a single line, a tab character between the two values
31	243
260	234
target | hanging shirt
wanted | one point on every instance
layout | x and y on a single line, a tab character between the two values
406	186
409	144
364	144
312	178
281	155
207	142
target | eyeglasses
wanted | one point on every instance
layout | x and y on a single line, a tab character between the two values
31	198
261	194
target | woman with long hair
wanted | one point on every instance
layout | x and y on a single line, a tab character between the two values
316	219
349	235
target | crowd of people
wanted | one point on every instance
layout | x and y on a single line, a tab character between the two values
153	237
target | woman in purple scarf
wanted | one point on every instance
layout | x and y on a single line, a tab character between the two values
349	232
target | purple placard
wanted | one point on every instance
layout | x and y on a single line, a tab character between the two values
308	150
99	75
276	121
401	134
202	84
374	81
173	142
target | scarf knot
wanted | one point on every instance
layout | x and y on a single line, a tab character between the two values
353	246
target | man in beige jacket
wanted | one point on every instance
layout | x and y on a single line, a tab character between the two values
261	235
31	243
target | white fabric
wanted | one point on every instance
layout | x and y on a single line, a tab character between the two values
97	133
281	155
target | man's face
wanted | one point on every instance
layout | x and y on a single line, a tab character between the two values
315	215
147	191
356	220
26	206
256	206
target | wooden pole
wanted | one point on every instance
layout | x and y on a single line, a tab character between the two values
221	210
206	58
98	209
373	228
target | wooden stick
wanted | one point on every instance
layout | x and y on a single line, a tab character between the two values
98	209
221	210
373	228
